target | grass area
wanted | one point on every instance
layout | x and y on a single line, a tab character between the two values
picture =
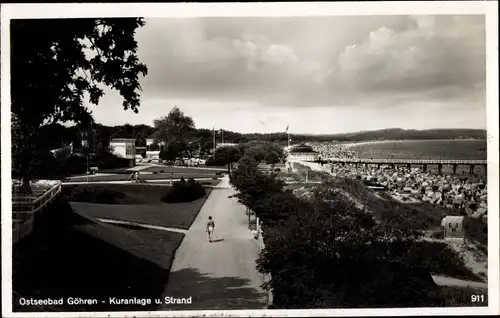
147	208
71	254
158	176
188	170
130	193
384	207
124	170
207	183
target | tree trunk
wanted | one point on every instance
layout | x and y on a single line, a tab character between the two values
229	168
249	219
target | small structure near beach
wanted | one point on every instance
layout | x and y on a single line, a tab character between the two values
453	227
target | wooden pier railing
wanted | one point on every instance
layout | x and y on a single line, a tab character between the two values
407	161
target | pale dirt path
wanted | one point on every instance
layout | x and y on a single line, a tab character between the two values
455	282
221	274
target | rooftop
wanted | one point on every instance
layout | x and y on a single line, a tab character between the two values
302	148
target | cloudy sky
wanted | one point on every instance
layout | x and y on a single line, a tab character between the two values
316	74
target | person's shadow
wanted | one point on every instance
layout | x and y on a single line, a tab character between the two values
218	240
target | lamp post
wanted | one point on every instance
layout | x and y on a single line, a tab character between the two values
213	146
88	172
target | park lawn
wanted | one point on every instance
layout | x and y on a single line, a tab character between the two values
187	170
71	254
130	193
205	183
175	215
158	176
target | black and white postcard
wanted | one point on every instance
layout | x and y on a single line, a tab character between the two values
262	159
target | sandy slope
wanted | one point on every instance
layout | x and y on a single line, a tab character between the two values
221	274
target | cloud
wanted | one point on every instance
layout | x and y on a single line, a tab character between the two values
365	62
438	52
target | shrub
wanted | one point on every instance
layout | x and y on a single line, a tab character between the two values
184	191
212	162
438	235
93	194
108	160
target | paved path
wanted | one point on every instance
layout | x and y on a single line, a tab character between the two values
221	274
139	168
142	225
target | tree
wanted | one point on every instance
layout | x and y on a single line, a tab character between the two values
334	256
174	130
331	250
56	62
227	155
170	152
264	151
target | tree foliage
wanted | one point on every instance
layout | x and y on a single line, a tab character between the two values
263	151
174	130
227	155
56	63
323	251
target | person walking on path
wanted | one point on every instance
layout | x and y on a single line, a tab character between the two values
210	228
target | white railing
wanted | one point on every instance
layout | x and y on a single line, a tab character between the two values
24	206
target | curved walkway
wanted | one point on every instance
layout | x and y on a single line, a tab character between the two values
221	274
146	226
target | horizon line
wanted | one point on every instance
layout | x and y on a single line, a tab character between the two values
293	133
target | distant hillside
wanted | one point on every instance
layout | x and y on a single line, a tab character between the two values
55	135
410	134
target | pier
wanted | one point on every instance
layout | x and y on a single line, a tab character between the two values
412	162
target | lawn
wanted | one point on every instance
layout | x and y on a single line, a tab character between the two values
70	254
187	170
158	176
143	205
206	183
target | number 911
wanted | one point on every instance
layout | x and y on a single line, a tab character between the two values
477	298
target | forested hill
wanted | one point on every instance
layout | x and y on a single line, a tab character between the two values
410	134
55	134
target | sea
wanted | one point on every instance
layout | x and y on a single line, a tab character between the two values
423	149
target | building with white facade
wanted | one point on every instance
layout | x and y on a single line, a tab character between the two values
124	148
224	144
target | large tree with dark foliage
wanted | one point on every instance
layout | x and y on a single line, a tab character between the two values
56	63
227	155
174	130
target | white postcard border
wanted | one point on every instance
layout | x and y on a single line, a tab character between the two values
150	10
